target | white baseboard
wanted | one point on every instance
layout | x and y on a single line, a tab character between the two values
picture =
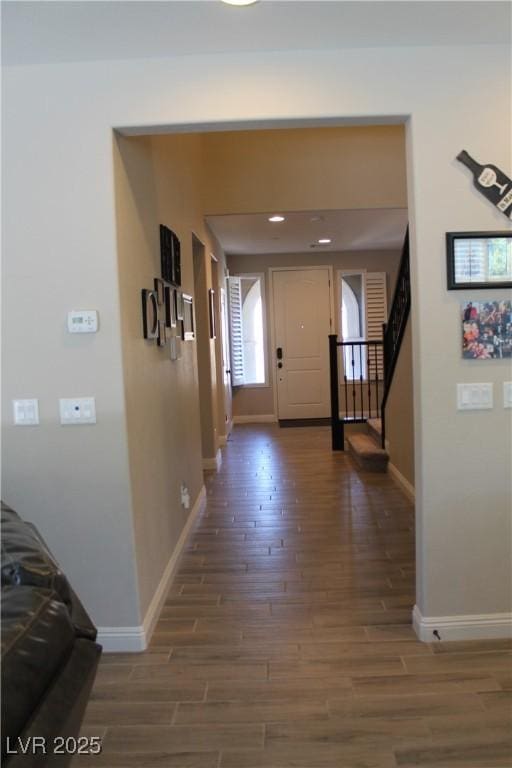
213	463
134	639
402	482
259	418
491	626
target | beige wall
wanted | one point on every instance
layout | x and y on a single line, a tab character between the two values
157	181
306	169
58	179
258	401
400	412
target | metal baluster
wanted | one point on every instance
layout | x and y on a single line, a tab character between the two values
377	404
353	381
369	381
361	379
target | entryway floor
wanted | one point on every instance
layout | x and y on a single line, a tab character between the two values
286	639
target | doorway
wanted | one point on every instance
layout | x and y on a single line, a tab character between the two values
302	321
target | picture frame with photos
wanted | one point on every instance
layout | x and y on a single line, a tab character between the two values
487	329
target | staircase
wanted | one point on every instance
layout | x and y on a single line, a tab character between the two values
368	449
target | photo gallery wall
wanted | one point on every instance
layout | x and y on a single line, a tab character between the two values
482	260
167	312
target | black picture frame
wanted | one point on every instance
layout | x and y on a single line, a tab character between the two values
170	255
166	253
162	334
159	290
150	315
176	260
455	281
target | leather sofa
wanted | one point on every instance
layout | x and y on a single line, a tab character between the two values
49	653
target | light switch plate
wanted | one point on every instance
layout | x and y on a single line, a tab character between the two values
26	412
507	394
77	410
474	397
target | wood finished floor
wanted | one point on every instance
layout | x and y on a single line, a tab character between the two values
286	639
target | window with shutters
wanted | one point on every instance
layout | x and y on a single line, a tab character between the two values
363	310
247	330
482	260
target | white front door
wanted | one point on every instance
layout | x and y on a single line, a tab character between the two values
302	323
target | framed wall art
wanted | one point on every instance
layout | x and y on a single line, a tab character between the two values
486	329
189	328
170	306
178	300
479	260
149	314
159	290
166	253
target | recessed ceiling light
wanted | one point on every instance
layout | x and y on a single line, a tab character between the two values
276	218
324	241
239	2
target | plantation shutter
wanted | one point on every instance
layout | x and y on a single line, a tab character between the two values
236	331
376	315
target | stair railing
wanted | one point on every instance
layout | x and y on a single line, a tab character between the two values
369	366
363	382
394	329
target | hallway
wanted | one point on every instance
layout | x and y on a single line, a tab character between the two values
286	639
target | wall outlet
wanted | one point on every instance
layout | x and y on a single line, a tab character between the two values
77	410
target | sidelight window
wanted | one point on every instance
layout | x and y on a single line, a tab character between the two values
247	330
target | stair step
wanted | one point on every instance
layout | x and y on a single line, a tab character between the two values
367	453
375	429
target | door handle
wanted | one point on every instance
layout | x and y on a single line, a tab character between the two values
279	353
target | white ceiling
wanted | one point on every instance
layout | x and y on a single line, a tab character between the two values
66	31
369	229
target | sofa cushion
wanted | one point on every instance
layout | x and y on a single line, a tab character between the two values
25	559
37	639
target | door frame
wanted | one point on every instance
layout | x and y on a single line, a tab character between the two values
271	359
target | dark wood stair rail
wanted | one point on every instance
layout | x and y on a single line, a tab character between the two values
393	332
394	329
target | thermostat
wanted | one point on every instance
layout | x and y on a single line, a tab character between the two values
83	321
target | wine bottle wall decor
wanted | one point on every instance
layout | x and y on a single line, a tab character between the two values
490	182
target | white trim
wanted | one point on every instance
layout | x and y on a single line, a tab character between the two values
135	639
492	626
402	482
122	639
214	463
258	418
261	276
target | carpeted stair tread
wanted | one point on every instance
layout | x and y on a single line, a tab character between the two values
375	425
375	429
367	453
